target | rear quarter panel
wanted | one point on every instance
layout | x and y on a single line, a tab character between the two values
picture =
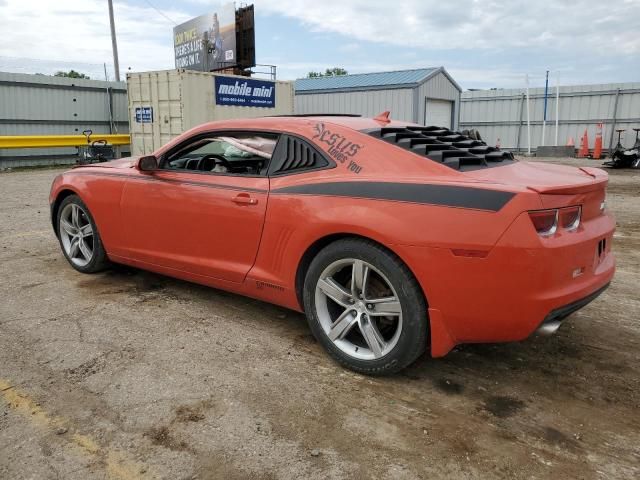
295	221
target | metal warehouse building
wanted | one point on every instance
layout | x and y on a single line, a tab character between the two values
426	95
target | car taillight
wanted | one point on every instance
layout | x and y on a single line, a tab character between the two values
570	217
545	221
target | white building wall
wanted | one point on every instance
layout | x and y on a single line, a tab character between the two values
501	114
368	103
407	104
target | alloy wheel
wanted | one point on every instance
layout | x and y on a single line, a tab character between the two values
76	234
358	309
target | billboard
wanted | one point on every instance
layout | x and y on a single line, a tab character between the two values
207	42
245	37
243	92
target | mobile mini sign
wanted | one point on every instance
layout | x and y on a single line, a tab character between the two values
241	92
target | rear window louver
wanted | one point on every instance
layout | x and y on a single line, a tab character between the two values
441	145
298	156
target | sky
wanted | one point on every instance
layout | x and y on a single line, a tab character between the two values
482	43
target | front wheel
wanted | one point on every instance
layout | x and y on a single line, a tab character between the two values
365	307
79	237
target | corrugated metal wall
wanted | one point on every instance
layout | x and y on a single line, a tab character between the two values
501	114
182	99
46	105
406	104
368	103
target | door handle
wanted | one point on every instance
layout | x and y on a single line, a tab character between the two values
244	199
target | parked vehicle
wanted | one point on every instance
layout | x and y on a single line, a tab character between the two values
393	238
95	151
625	157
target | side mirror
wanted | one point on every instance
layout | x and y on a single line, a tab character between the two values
148	163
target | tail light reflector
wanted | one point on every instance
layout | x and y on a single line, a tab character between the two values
570	218
545	221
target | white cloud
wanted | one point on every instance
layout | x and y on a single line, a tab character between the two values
483	43
586	39
584	26
78	33
350	47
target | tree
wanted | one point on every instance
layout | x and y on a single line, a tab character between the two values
71	74
329	72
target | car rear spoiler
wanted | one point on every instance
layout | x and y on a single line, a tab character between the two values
599	180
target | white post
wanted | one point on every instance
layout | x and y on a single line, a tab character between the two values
557	104
528	118
544	117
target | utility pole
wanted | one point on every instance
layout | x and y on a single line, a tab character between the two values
114	43
205	52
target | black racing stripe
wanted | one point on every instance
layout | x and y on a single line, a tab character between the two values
444	195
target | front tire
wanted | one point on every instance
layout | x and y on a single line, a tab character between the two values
79	237
365	307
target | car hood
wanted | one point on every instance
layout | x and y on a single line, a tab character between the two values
544	178
119	163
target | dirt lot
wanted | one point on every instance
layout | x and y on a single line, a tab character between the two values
129	375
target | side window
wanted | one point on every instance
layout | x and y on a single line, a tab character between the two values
294	155
237	154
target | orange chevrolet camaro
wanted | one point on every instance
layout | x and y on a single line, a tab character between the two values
393	238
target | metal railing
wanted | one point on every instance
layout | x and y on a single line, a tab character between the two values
45	141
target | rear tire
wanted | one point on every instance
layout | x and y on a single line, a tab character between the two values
365	307
79	237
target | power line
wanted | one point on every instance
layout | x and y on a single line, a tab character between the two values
160	11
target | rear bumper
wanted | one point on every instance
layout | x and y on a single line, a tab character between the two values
552	322
517	287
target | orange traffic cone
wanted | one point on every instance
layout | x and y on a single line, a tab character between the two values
571	143
597	148
584	146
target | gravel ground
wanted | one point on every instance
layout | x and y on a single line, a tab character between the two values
132	375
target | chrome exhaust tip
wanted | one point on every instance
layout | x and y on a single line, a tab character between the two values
549	328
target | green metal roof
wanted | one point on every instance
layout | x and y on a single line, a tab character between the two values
366	81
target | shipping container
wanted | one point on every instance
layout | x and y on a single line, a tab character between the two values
164	104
